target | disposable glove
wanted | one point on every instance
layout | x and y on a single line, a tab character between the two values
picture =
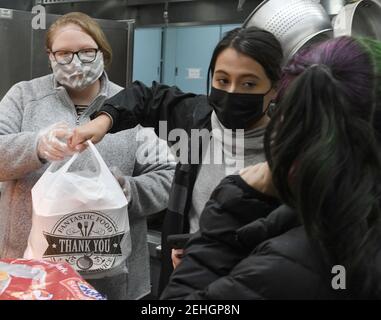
121	180
52	145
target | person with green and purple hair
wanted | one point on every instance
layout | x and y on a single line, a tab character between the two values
324	164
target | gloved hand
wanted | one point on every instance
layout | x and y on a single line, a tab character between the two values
121	180
52	144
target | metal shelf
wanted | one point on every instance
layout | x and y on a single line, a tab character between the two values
45	2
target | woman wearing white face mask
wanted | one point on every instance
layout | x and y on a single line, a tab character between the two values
78	58
35	119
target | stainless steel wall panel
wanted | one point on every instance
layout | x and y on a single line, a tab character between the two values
15	47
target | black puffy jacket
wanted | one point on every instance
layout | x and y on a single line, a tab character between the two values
229	259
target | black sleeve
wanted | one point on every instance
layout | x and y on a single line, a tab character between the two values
276	223
258	277
215	250
139	104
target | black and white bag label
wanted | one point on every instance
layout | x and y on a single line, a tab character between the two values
89	241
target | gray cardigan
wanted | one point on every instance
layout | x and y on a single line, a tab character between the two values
30	106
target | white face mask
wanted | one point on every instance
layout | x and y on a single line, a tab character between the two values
78	75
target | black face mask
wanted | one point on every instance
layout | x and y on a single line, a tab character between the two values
237	110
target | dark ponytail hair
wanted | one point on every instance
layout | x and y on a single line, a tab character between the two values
325	159
258	44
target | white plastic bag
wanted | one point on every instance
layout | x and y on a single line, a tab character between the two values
80	218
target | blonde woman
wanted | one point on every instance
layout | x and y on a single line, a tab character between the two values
34	118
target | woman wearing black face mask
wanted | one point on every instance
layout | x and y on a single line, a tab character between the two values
243	81
245	68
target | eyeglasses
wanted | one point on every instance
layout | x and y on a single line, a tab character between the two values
84	55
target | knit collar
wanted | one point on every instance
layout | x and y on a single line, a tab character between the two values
246	141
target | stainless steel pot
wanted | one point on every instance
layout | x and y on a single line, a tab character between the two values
362	18
295	23
332	7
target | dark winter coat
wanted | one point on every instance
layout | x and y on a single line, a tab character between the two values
249	247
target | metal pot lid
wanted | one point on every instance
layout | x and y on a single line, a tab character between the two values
361	19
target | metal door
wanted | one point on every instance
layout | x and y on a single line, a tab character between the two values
169	66
147	55
194	48
15	46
